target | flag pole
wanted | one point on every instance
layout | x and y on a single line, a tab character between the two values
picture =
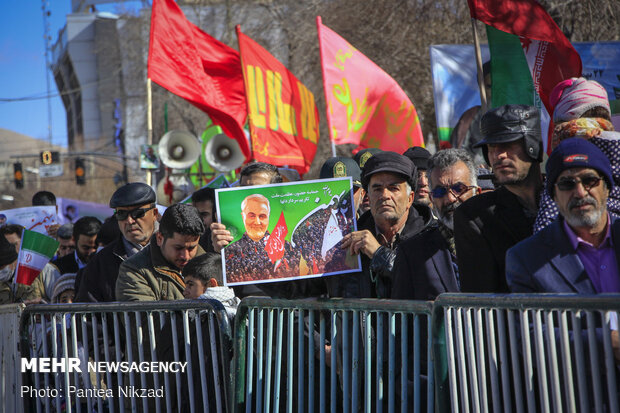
483	92
319	23
245	86
149	128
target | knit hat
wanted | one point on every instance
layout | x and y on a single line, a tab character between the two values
573	97
7	252
576	153
419	156
63	283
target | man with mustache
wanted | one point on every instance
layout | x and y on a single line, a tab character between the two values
486	226
425	264
578	252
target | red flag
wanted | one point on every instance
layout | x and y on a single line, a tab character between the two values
550	56
365	106
275	243
199	68
284	121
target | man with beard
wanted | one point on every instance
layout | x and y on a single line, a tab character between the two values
486	226
85	232
250	251
420	156
426	265
578	252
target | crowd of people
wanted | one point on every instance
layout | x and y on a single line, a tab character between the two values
426	224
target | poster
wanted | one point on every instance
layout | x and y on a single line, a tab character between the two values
37	218
287	231
148	157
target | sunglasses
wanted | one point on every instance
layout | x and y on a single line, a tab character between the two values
457	190
123	214
588	182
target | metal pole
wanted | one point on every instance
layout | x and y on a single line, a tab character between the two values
149	129
483	92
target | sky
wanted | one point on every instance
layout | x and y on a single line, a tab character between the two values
23	71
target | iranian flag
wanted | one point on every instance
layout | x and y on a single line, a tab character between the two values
529	53
35	251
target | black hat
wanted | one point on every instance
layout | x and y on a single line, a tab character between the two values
509	123
577	153
338	167
387	161
419	156
135	193
364	155
7	252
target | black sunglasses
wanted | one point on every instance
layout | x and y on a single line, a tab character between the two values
588	182
457	190
123	214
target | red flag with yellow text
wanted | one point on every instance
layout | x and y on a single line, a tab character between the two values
199	68
275	243
365	106
284	121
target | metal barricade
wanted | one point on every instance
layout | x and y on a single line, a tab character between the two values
126	357
521	353
338	355
10	401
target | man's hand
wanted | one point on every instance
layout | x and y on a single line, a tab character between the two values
220	236
52	230
360	241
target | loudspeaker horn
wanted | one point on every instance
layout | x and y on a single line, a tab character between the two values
179	149
224	153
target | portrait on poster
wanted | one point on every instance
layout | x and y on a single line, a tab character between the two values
287	231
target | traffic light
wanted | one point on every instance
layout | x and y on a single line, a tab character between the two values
49	157
18	174
80	171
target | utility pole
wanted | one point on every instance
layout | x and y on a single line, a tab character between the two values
48	65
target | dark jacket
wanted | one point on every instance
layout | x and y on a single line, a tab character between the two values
147	276
423	268
485	227
375	279
67	264
98	279
548	263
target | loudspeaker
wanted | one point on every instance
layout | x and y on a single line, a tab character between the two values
179	149
224	153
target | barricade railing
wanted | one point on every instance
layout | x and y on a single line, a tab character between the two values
10	382
526	353
126	357
338	355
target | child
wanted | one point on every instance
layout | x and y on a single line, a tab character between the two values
203	279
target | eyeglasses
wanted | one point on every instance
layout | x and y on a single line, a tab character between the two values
457	190
588	182
123	214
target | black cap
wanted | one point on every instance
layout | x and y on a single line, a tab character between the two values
387	161
364	155
419	156
339	166
509	123
135	193
7	252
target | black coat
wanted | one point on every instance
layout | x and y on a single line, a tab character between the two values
98	279
485	227
67	264
423	268
375	279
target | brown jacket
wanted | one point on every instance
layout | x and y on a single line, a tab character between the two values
147	276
